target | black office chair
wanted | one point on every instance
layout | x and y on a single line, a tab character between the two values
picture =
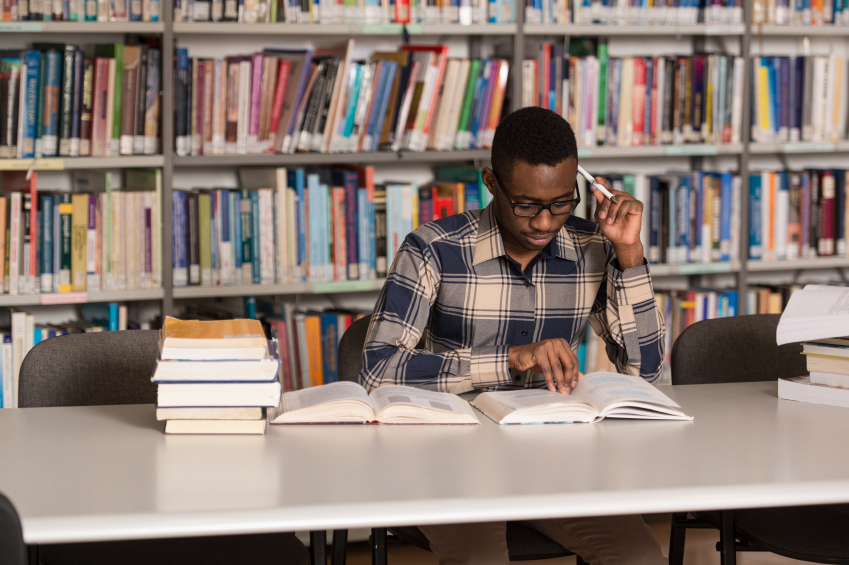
13	551
523	543
743	349
115	368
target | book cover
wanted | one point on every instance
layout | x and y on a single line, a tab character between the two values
79	241
116	53
329	340
314	350
129	110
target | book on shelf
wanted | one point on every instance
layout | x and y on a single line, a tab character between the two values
622	12
81	10
348	402
59	102
633	101
798	214
340	12
199	340
325	100
597	396
799	98
828	12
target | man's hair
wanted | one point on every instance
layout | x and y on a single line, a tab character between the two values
534	135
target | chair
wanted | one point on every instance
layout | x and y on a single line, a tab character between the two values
749	353
115	368
13	551
523	543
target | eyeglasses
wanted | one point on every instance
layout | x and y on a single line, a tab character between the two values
530	210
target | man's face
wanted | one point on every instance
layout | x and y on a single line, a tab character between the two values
532	184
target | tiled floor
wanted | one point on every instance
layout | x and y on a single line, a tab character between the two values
699	550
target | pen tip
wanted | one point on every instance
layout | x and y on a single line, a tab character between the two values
613	199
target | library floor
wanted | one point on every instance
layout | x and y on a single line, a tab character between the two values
700	549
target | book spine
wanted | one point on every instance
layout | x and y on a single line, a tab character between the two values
141	100
79	241
129	109
236	223
151	114
181	120
110	108
50	126
192	238
254	110
117	104
195	106
256	241
340	245
99	106
87	108
351	216
76	104
31	87
207	102
66	210
281	243
92	275
247	237
205	239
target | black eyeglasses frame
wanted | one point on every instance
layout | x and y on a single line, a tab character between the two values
574	201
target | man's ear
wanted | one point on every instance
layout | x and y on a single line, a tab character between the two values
488	178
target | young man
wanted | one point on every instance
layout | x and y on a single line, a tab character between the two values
505	294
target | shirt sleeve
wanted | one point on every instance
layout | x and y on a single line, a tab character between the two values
625	315
398	323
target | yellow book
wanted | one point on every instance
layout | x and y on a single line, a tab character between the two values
217	339
313	333
763	103
79	241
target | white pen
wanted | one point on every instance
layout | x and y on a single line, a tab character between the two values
599	186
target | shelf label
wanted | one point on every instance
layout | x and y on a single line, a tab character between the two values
40	164
343	286
689	150
808	147
20	27
584	152
704	268
390	29
65	298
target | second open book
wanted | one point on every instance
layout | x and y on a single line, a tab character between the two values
597	396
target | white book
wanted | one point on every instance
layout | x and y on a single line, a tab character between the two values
832	90
295	271
225	248
801	389
457	105
819	96
19	328
22	109
15	243
814	313
266	236
303	353
130	237
349	402
782	211
626	124
244	107
737	101
281	231
9	398
829	379
29	336
736	187
118	264
597	396
218	394
443	108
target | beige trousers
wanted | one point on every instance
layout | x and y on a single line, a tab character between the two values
609	540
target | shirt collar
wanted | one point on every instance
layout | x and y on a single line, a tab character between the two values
489	243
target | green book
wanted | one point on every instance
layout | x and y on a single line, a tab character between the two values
602	87
629	184
114	51
205	239
247	237
66	209
463	123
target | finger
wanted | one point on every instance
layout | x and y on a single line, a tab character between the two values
625	208
555	358
603	208
570	362
543	363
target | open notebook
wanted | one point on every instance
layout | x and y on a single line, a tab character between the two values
597	396
348	402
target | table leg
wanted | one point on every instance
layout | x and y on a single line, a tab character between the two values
32	554
728	552
318	547
677	539
378	546
338	547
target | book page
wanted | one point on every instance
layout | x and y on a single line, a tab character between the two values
816	312
605	390
332	392
397	394
534	398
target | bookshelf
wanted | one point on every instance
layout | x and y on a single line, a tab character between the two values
518	32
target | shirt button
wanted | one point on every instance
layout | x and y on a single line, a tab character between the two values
524	332
527	284
517	378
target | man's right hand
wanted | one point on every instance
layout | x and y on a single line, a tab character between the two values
551	357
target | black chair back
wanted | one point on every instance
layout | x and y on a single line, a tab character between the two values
90	370
12	548
351	349
734	350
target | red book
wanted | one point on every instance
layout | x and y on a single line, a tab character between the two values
442	60
545	64
825	245
639	99
206	122
279	95
656	102
443	207
402	11
340	251
101	91
283	353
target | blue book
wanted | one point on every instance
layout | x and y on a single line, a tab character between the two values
726	205
372	238
775	94
77	103
480	104
375	123
732	302
113	317
672	253
57	238
648	102
214	226
154	10
179	248
249	307
682	228
654	220
135	11
755	229
316	266
255	243
329	347
296	180
363	228
236	232
224	226
46	243
477	99
698	200
784	95
52	104
32	59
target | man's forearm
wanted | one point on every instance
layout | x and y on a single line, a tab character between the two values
629	255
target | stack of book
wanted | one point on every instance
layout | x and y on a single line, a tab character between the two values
800	12
638	100
81	10
633	12
59	102
323	100
215	377
817	316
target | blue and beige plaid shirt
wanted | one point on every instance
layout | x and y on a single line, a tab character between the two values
453	278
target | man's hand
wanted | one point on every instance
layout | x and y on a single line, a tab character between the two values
551	357
621	224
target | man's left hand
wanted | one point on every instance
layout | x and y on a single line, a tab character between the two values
621	224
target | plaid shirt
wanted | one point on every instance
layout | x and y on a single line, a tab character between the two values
454	278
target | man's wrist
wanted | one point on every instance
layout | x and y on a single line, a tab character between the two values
629	256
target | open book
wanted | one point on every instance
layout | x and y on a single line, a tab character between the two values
813	313
597	396
348	402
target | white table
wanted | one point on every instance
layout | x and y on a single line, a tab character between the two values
107	473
